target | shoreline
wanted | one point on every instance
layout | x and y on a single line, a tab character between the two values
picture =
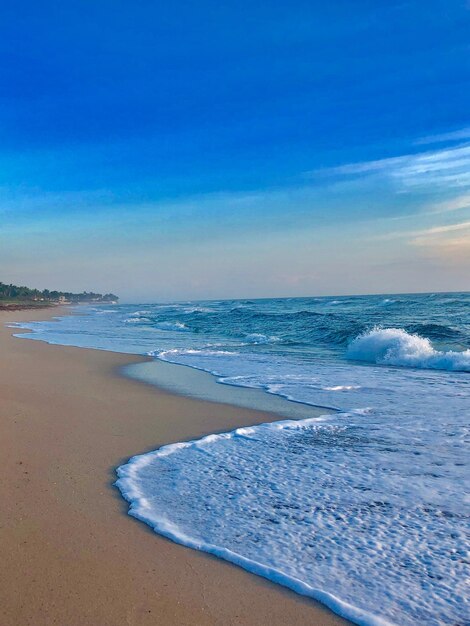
25	307
71	553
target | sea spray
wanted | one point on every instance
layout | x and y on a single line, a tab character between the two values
394	346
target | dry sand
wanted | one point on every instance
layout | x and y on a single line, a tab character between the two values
70	555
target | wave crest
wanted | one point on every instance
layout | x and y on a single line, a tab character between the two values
259	338
178	326
394	346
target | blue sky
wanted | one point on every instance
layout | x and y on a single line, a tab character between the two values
207	149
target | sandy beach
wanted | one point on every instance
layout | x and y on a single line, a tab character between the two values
70	554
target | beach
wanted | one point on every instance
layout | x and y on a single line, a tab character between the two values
70	553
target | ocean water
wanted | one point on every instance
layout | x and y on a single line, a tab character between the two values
365	509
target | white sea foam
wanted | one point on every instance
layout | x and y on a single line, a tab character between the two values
138	319
259	338
319	521
173	355
367	518
394	346
341	388
197	309
178	326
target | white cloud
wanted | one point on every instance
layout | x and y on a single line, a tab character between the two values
433	170
439	230
453	204
432	235
451	243
428	170
445	168
456	135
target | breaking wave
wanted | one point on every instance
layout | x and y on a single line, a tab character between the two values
259	338
394	346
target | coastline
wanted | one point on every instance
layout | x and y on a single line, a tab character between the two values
71	553
12	306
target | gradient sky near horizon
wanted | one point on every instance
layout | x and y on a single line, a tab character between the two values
235	149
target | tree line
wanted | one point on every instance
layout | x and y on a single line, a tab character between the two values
15	292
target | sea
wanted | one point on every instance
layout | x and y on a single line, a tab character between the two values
363	505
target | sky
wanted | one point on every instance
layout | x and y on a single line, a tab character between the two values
196	150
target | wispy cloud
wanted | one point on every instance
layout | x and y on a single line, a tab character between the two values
439	230
453	204
425	233
456	135
445	168
451	242
430	170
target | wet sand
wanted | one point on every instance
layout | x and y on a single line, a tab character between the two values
70	554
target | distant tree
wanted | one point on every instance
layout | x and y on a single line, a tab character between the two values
15	292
